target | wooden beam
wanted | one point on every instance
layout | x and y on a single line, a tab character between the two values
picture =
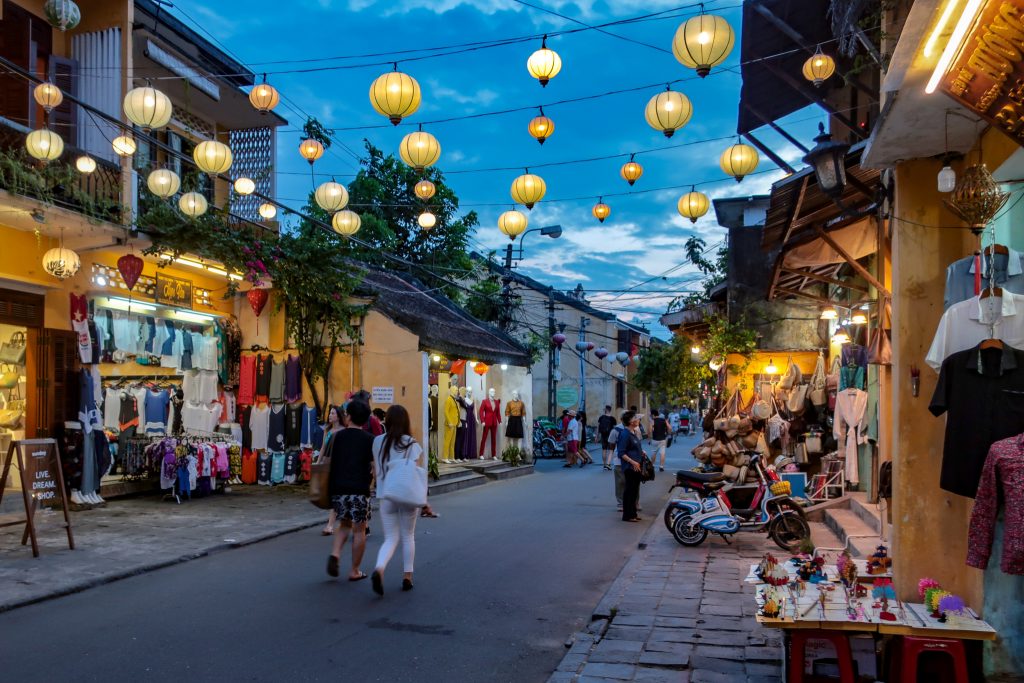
825	278
805	295
779	161
776	127
816	98
776	271
864	188
861	270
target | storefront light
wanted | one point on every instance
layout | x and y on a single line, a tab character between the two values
189	262
123	304
504	366
829	313
841	336
947	179
436	358
100	281
967	17
217	271
194	317
940	27
695	349
828	159
471	364
770	369
859	318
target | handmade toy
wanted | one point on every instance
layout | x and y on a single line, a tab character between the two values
924	584
771	603
879	562
953	609
883	592
847	569
811	569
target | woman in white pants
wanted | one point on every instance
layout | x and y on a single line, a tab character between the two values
399	521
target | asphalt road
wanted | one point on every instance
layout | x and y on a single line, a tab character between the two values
506	574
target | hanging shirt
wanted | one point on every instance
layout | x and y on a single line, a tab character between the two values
247	380
1002	479
128	417
244	416
277	459
264	463
848	428
275	434
276	382
259	426
80	324
227	400
263	370
968	323
156	412
293	425
112	409
291	467
248	466
312	435
88	414
292	379
1007	271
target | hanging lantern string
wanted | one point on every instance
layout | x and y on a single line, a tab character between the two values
589	26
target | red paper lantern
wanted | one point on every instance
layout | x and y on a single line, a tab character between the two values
457	367
558	339
257	301
601	353
590	346
481	369
130	267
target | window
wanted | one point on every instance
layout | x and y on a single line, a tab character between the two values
620	394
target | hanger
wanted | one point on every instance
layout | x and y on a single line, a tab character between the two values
997	249
992	343
991	291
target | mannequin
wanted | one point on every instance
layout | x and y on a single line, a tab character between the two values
515	411
460	433
469	444
451	423
490	418
432	396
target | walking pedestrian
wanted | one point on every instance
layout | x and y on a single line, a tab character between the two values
620	478
659	437
605	423
583	452
631	454
572	441
335	422
351	470
399	520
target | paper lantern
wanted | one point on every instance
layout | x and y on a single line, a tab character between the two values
62	14
267	211
528	189
192	204
245	186
481	368
581	346
395	95
425	189
631	171
419	150
257	301
601	211
130	267
702	42
693	205
623	358
212	156
590	346
668	111
311	150
544	64
512	223
163	182
346	223
427	220
61	263
124	145
48	96
601	353
147	108
541	127
331	196
558	339
85	164
264	97
739	160
44	144
819	67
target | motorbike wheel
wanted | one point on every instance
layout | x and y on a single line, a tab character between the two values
788	530
687	534
547	448
670	517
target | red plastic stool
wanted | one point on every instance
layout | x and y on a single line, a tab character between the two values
910	650
797	646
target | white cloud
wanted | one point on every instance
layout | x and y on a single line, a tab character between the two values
481	97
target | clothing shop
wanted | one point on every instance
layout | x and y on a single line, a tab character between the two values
954	160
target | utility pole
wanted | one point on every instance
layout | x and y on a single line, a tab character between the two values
584	323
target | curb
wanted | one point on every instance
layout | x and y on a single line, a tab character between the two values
147	568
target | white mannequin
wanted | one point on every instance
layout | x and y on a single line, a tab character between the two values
515	441
490	394
490	406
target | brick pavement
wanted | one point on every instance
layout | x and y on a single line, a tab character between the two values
678	614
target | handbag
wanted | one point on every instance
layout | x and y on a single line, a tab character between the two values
320	479
813	443
797	402
12	351
646	469
792	378
404	482
818	393
879	345
9	380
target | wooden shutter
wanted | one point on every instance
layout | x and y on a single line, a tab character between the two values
64	74
15	93
56	380
21	308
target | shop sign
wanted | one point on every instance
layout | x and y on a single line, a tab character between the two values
384	395
42	483
987	75
567	397
173	291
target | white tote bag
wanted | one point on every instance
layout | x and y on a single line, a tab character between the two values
404	482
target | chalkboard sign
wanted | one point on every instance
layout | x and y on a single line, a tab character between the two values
173	291
42	483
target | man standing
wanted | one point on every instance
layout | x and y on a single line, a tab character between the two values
351	471
605	423
659	435
572	441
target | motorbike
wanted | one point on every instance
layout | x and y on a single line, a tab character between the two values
547	440
709	510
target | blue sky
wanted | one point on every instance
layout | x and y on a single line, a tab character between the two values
644	235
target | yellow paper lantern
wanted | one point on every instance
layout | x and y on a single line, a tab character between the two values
245	186
601	210
311	150
346	223
427	220
192	204
147	108
702	42
264	97
331	196
48	96
44	144
541	127
668	111
631	171
528	189
419	150
85	164
739	160
163	182
124	145
512	223
693	205
395	95
819	67
544	64
425	189
267	211
212	156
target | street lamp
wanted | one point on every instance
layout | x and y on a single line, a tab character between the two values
828	158
552	231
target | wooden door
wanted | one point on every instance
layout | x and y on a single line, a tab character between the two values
56	381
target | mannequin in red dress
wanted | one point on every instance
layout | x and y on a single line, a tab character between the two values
490	418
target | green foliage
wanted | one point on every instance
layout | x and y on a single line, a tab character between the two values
485	302
715	272
513	456
312	128
433	469
536	345
670	373
58	184
725	338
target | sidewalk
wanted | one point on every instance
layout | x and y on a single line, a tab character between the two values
678	614
137	535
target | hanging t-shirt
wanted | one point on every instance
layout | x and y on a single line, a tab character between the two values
227	400
264	364
248	466
156	411
264	464
312	435
112	409
245	414
80	324
291	466
293	425
305	464
128	417
276	382
247	380
277	467
275	433
259	425
292	379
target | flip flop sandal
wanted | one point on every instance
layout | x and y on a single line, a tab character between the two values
362	575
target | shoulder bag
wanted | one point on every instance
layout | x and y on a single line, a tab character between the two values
404	482
879	346
646	469
818	394
12	351
320	478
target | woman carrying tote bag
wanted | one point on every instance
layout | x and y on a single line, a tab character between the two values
400	467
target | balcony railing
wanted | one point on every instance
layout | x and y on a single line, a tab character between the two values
96	195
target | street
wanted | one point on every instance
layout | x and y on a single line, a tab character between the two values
506	574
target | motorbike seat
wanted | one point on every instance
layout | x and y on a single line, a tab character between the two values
701	477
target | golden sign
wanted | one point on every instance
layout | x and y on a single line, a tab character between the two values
173	291
987	75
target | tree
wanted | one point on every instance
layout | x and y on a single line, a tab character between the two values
715	272
670	373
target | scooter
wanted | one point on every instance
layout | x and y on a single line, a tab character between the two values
771	509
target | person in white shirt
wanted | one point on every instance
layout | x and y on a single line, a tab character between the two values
572	442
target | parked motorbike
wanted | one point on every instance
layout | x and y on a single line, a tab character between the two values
547	441
770	509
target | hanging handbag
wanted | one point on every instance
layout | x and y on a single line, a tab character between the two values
813	443
404	482
792	378
9	380
12	351
320	479
797	402
832	379
818	394
879	345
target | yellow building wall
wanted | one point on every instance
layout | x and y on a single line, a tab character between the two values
744	382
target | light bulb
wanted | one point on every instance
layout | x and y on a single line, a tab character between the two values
947	179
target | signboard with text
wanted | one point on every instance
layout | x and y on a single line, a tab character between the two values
987	74
382	395
42	483
173	291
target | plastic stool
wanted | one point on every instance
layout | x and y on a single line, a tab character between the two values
905	662
797	646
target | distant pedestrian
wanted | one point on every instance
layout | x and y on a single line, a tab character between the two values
620	478
605	423
399	520
583	452
335	422
659	437
572	441
351	471
374	426
631	454
381	417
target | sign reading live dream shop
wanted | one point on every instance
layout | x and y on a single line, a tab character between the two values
42	484
173	291
987	75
